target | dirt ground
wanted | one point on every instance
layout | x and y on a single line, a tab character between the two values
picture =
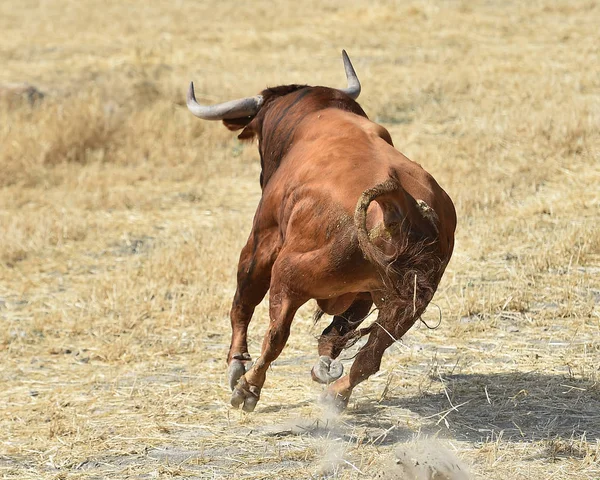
122	217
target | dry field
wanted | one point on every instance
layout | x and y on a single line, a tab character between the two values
122	216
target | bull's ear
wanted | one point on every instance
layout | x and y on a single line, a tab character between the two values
248	133
237	123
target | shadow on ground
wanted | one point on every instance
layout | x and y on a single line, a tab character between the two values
518	407
524	407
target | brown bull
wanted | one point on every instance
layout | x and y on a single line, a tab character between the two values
344	218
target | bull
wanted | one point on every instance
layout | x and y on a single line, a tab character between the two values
344	219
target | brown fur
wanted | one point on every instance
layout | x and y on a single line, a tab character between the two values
345	219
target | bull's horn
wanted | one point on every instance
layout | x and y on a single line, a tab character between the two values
353	89
244	107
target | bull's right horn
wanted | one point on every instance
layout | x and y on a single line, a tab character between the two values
244	107
353	90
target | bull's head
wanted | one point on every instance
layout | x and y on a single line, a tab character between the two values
250	106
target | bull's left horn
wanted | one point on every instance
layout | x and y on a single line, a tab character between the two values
353	89
244	107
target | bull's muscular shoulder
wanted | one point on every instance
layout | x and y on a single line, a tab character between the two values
340	119
377	130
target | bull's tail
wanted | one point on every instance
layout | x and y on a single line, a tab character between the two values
370	251
411	274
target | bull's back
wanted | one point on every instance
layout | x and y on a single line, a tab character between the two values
344	154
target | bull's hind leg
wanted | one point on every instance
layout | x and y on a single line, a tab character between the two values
253	278
384	332
333	339
282	308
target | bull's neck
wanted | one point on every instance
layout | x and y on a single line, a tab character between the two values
278	131
284	115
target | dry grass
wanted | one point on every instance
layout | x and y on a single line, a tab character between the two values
122	217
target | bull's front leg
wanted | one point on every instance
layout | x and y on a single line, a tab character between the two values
334	338
253	278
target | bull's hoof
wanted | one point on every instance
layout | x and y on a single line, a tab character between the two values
238	366
245	395
327	370
337	401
